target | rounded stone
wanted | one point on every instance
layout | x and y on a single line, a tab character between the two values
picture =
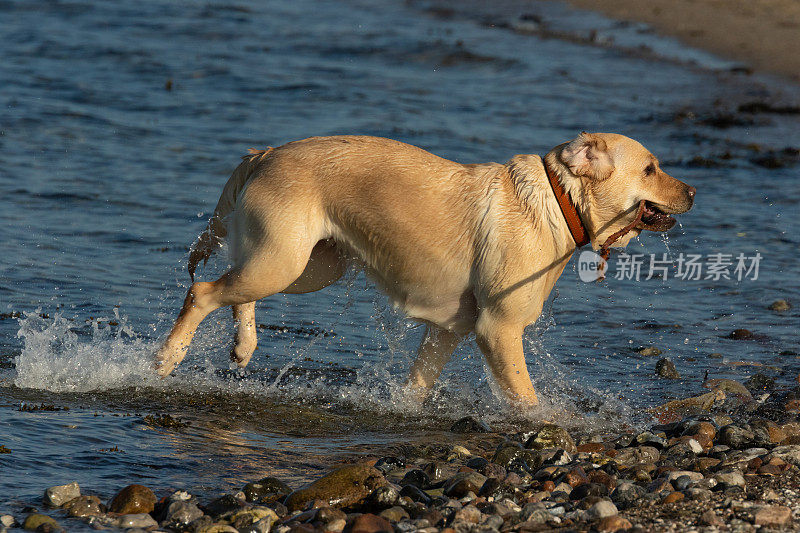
37	520
133	499
741	334
394	514
613	523
552	436
83	506
673	497
346	486
731	478
182	512
224	505
588	489
61	494
266	489
459	485
735	437
601	509
626	493
370	523
773	516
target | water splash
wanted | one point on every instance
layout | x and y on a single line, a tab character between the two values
63	355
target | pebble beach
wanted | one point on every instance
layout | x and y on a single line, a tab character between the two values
726	460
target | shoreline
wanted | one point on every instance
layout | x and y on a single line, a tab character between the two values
699	469
763	35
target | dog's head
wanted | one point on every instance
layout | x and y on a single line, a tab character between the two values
607	176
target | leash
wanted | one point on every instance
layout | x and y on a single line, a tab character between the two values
605	250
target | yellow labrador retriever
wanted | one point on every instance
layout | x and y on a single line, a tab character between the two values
462	248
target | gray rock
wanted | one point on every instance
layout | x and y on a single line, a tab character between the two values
61	494
735	437
492	522
139	520
666	369
506	453
675	474
601	509
534	512
634	456
266	488
698	494
385	496
682	483
627	493
651	439
182	512
789	453
730	478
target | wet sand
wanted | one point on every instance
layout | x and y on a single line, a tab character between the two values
764	35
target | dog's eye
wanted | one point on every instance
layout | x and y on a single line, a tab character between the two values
650	169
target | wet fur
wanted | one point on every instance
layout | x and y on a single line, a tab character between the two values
462	248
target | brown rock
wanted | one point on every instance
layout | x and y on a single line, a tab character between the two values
343	487
598	476
576	477
754	463
769	470
775	432
133	499
677	409
773	516
592	447
370	523
704	464
793	406
673	497
710	518
613	523
549	486
660	485
702	428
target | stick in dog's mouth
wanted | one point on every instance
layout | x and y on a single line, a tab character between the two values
654	219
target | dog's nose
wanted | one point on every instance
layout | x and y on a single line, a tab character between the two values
691	192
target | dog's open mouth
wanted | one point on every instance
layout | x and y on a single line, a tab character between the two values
654	219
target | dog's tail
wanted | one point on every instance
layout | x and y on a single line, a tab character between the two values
211	239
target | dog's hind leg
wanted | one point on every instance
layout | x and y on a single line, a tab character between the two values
269	270
245	339
435	350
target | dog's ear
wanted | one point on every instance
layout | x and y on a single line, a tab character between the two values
588	156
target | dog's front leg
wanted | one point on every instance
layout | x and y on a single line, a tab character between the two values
500	340
435	350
